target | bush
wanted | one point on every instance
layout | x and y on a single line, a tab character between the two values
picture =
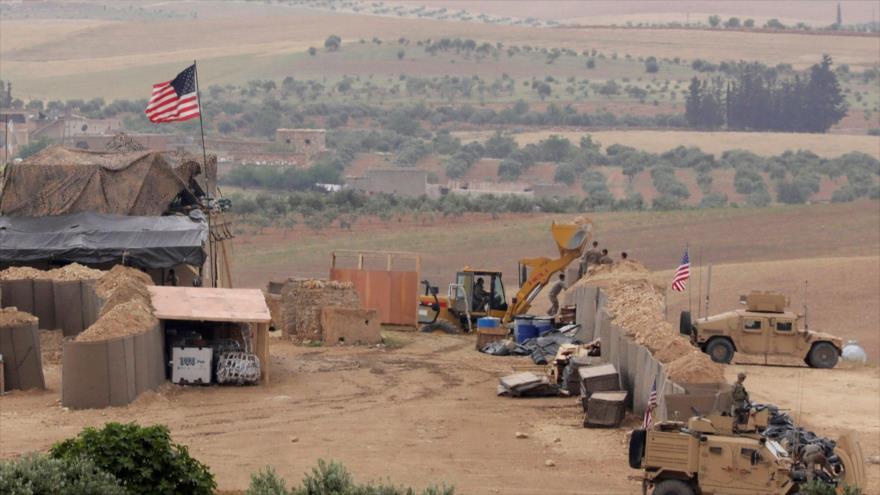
651	65
332	478
845	194
666	202
33	147
817	487
267	482
509	170
790	193
38	474
714	200
143	459
565	174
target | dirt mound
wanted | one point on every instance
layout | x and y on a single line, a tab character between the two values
128	318
126	290
120	275
695	367
673	349
11	316
74	271
21	273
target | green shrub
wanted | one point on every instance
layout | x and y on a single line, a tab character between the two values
714	200
38	474
142	458
332	478
267	482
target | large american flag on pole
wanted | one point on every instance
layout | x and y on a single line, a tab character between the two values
175	100
649	410
682	274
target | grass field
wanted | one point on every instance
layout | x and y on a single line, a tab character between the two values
762	143
235	44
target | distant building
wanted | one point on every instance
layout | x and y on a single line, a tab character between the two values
155	142
402	182
69	128
486	188
302	141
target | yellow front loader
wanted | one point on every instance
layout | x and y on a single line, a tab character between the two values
478	293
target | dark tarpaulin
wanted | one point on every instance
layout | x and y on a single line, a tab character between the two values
88	238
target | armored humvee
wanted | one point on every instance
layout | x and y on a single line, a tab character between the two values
765	327
712	456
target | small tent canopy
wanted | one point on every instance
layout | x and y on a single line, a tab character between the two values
92	238
61	181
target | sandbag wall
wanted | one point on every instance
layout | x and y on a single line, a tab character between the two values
637	366
112	372
68	305
20	347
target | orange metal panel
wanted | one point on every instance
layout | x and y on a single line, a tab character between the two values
394	295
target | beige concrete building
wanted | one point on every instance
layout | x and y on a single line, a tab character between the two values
303	141
402	182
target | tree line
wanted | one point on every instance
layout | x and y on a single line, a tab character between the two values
757	100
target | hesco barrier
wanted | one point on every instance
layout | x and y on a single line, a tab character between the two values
636	365
68	305
111	372
20	346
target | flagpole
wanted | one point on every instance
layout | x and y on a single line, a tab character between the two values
700	281
211	249
687	251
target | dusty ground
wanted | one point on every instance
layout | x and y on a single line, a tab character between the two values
424	413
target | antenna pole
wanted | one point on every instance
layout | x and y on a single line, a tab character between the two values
700	282
212	249
708	289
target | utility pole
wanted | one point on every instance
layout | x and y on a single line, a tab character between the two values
839	16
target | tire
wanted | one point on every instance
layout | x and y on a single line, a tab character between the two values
637	448
720	350
440	326
685	325
672	487
823	355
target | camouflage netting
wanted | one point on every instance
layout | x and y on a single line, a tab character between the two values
59	181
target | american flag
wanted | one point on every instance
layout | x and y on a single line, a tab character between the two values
679	280
176	100
649	410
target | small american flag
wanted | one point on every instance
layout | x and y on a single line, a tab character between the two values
679	280
649	410
176	100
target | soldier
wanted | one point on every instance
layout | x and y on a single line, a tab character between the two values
741	403
624	256
590	257
554	295
605	259
481	297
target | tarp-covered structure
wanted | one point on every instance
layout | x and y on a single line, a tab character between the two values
62	181
95	238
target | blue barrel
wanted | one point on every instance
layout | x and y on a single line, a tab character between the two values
544	324
524	328
488	322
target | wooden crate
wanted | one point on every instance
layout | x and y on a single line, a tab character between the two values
606	409
487	335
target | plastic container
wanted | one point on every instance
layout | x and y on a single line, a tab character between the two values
544	324
524	328
488	322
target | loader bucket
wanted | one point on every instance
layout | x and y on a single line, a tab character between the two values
571	236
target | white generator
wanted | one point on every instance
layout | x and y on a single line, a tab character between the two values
191	365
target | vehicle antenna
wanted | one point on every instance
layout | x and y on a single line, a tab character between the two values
806	322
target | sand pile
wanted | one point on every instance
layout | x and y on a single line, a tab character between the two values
11	316
120	275
128	318
636	305
50	346
74	271
21	273
302	301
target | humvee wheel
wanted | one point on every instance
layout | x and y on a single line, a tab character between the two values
685	326
439	326
720	350
822	355
672	487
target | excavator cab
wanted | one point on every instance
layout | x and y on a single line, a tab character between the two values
483	290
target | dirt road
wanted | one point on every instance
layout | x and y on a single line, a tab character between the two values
422	411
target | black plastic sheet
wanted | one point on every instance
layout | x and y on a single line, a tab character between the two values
90	238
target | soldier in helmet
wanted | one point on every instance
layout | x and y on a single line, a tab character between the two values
740	396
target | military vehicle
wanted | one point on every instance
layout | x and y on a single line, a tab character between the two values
765	327
712	456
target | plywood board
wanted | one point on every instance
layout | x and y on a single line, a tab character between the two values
209	304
